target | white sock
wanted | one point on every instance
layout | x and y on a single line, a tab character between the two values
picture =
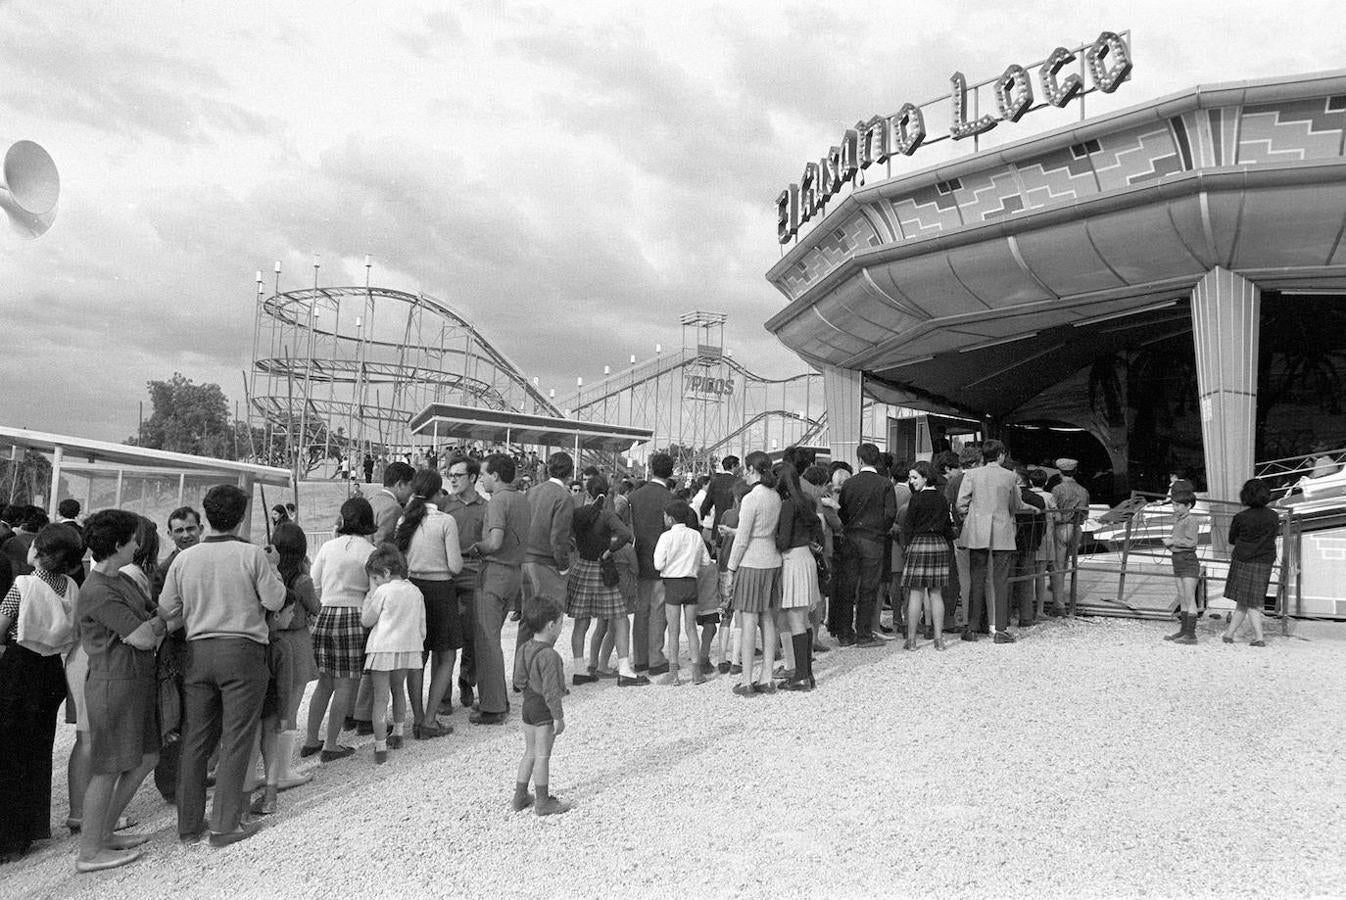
581	666
624	667
399	728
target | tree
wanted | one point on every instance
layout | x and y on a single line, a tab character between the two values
187	418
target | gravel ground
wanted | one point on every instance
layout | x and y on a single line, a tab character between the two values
1091	758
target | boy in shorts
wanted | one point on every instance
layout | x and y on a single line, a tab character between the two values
679	556
540	673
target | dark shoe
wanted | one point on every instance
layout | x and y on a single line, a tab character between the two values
939	643
764	687
486	718
885	629
309	749
638	681
797	684
578	679
193	837
846	640
1004	637
659	670
550	806
736	669
1029	624
970	636
820	647
723	668
1258	644
642	667
908	645
707	668
396	741
515	616
744	690
363	727
339	753
265	804
433	730
1224	638
466	695
521	802
868	642
380	756
244	831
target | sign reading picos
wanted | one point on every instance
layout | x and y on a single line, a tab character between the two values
1107	60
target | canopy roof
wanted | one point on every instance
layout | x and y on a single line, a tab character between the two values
445	420
77	451
977	284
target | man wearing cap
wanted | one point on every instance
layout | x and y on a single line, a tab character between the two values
1072	504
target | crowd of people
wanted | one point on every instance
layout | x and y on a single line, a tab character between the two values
192	666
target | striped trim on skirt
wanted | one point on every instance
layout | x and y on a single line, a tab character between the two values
927	563
1248	583
339	642
757	590
587	597
799	579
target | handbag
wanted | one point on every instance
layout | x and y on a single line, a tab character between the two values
607	572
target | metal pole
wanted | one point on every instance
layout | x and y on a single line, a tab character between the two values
57	458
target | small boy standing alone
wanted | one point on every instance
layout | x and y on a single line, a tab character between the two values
679	555
1186	567
540	673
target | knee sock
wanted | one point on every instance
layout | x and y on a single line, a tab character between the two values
542	792
520	793
707	638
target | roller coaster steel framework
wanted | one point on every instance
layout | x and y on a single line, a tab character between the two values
345	368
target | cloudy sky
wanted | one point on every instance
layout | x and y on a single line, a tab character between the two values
570	176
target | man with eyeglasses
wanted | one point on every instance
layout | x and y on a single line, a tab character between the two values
184	527
468	509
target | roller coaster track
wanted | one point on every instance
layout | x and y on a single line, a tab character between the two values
664	364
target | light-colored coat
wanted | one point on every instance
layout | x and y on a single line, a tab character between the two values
987	500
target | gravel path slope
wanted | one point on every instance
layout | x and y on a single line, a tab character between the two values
1091	758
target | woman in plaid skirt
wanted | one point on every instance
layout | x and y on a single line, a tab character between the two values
338	637
599	533
1252	534
925	573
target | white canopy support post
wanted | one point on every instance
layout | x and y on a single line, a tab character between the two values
182	487
57	458
117	498
245	528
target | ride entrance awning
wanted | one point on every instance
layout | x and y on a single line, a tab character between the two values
445	421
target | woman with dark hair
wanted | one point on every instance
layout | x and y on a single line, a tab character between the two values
1252	534
339	576
599	534
279	515
36	627
925	572
755	571
798	530
143	572
428	538
290	658
120	631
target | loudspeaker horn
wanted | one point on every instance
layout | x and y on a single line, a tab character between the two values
29	188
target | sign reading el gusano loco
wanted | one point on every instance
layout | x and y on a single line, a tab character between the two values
1107	60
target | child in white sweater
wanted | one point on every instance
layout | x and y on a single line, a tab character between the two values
679	555
395	611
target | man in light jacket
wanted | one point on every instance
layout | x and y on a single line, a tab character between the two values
988	500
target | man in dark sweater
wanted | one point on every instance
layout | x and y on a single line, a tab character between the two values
868	510
647	522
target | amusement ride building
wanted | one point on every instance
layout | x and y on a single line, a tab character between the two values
1031	281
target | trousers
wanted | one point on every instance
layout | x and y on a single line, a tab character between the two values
494	598
999	562
649	624
225	685
852	610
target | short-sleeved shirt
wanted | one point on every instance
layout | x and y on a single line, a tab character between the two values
471	519
1069	495
508	511
110	607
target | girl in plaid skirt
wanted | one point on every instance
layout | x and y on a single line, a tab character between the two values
925	573
1252	534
